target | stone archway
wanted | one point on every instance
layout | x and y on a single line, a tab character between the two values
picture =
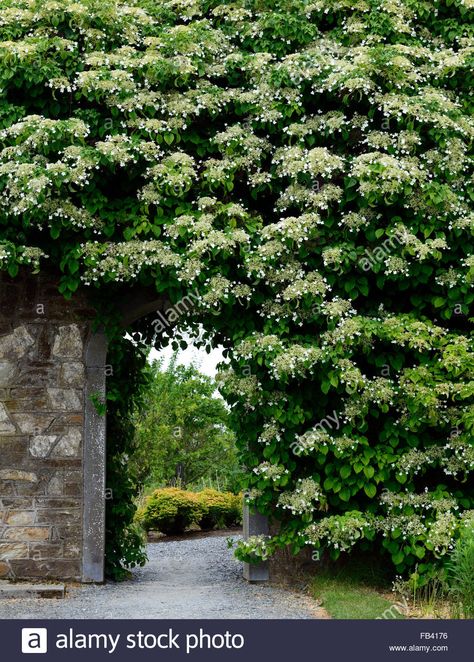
52	440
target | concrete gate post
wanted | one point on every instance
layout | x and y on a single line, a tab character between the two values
94	462
255	524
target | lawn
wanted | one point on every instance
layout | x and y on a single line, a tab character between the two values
356	590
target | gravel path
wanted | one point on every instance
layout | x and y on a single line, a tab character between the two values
195	578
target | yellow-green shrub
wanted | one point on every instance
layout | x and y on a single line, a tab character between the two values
171	510
235	511
220	509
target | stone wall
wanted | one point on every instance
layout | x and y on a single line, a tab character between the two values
42	390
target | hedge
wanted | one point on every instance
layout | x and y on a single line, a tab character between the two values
172	510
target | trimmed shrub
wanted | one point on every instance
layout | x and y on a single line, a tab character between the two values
233	516
170	510
220	509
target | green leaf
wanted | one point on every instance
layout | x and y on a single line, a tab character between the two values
369	472
370	489
334	379
73	266
328	483
13	269
345	494
398	558
345	471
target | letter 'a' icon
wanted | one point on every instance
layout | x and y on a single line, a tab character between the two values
34	640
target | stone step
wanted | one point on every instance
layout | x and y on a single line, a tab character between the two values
23	590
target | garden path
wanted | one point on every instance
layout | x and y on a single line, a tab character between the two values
193	578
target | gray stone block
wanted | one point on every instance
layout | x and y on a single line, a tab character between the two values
15	591
255	524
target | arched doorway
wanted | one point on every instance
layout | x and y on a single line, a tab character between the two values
138	303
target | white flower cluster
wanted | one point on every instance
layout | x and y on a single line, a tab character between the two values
258	343
125	260
378	172
461	460
295	361
318	440
341	532
27	255
423	501
403	526
247	388
271	432
414	461
257	547
441	534
269	471
305	498
318	162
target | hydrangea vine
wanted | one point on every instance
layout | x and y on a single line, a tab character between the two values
305	166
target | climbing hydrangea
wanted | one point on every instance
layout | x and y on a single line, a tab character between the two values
304	169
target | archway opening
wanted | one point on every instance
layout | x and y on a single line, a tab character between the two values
124	393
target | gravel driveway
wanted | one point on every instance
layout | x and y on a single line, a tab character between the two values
194	578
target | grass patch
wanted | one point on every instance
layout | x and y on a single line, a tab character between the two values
356	590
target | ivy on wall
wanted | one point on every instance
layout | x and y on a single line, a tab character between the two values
126	389
297	177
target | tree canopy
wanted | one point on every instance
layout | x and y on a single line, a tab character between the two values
305	168
182	433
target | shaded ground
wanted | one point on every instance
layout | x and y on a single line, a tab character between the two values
191	578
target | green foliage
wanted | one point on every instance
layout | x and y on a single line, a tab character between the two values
182	434
125	543
170	510
304	171
220	509
427	595
461	574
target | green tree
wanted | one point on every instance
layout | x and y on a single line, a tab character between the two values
182	433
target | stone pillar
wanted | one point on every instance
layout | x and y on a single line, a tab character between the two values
43	383
255	524
93	546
